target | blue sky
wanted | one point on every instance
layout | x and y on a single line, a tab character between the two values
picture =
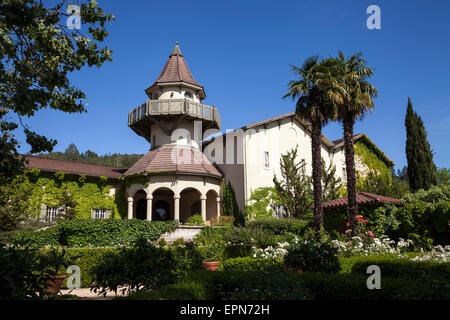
241	52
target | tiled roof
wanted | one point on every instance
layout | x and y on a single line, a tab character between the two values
73	167
340	142
176	70
361	198
270	120
174	159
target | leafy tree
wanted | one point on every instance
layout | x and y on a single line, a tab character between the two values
443	176
331	184
13	202
352	95
37	53
313	105
294	188
380	184
229	204
72	152
262	198
421	168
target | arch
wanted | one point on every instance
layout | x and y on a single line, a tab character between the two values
188	197
163	204
211	204
140	204
134	188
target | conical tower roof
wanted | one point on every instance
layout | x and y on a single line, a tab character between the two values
175	71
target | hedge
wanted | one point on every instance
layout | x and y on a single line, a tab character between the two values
406	269
279	226
291	286
252	264
95	233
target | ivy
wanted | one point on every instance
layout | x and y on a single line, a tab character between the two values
87	193
372	159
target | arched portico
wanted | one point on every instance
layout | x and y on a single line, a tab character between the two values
171	197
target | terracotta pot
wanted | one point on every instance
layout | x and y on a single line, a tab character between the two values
299	270
53	284
210	265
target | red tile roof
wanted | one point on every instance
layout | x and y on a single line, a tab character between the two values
176	70
73	167
174	159
361	198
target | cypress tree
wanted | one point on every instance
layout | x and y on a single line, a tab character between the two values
421	168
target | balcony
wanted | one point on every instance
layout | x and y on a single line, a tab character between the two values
141	118
172	107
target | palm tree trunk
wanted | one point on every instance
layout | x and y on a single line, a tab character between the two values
317	173
351	172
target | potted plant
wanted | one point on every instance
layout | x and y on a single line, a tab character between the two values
53	264
211	256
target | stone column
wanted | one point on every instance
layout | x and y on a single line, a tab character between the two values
218	208
203	199
176	207
130	208
149	207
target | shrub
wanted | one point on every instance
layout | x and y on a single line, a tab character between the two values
187	289
18	276
404	268
196	219
210	235
95	233
259	286
309	256
240	241
326	286
252	264
279	226
145	266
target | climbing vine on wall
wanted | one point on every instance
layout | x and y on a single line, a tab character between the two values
370	158
87	192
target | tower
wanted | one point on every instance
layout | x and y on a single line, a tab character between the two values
174	103
173	180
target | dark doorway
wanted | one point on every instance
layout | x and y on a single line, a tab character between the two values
161	211
141	209
196	208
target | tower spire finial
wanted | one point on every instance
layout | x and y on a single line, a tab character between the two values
176	50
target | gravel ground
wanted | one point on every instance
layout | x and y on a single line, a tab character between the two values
87	294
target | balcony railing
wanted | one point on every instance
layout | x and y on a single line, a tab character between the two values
172	107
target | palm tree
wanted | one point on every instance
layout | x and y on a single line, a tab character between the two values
352	95
313	105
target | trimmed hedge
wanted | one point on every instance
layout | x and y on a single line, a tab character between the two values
252	264
95	233
406	269
279	226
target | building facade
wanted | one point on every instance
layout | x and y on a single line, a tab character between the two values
182	173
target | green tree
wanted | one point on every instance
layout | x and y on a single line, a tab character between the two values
229	204
294	189
261	199
72	152
37	53
421	168
443	176
352	95
13	203
331	184
314	106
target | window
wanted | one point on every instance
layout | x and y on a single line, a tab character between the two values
51	213
344	173
266	159
99	213
188	95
